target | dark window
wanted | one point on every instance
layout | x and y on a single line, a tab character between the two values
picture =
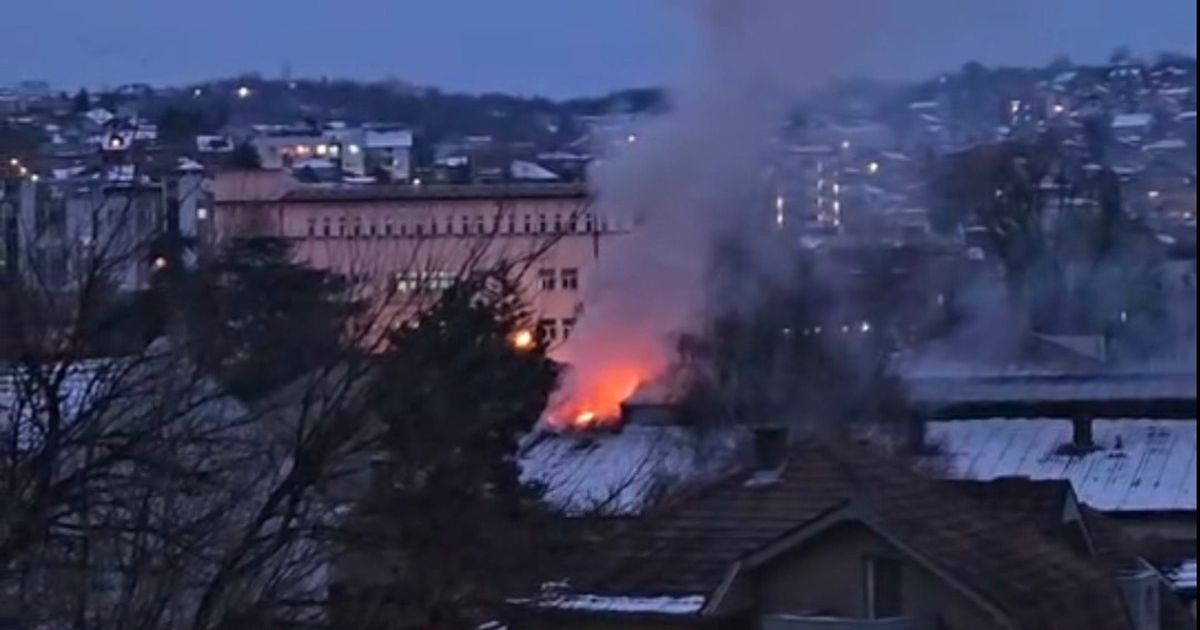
312	227
327	227
567	326
546	279
883	588
541	224
387	227
548	329
570	279
528	224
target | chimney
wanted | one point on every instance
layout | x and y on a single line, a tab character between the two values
770	448
1081	432
916	437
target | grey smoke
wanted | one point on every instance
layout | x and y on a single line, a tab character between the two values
693	175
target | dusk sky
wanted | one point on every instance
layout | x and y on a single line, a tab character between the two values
552	47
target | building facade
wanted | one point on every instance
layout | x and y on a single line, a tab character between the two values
401	240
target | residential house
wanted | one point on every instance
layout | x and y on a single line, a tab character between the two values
821	535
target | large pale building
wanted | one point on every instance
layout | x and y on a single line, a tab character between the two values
402	240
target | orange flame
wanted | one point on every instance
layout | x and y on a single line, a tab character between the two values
595	400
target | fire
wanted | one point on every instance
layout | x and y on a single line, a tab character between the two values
593	398
585	419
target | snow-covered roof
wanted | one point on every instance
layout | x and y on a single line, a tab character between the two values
520	169
213	144
1168	144
1188	115
1183	576
621	473
1140	465
388	139
99	115
1132	121
659	605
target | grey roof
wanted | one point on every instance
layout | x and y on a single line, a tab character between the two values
1141	464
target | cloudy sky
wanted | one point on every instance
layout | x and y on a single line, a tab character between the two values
552	47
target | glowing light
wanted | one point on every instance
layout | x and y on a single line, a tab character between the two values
416	181
1059	108
837	188
1153	194
845	145
14	162
201	213
116	142
1014	106
523	339
585	419
197	92
322	149
865	327
873	168
23	171
631	138
159	263
301	149
334	150
779	211
34	178
243	92
354	149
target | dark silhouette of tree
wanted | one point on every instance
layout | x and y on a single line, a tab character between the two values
82	101
806	352
245	157
459	528
245	309
180	124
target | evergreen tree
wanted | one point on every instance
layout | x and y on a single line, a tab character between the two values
455	394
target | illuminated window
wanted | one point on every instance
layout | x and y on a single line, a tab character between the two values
546	279
570	279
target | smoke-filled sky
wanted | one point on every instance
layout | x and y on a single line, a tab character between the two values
551	47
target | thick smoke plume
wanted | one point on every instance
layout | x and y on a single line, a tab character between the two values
692	176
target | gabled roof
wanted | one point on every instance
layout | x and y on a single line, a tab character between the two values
695	546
